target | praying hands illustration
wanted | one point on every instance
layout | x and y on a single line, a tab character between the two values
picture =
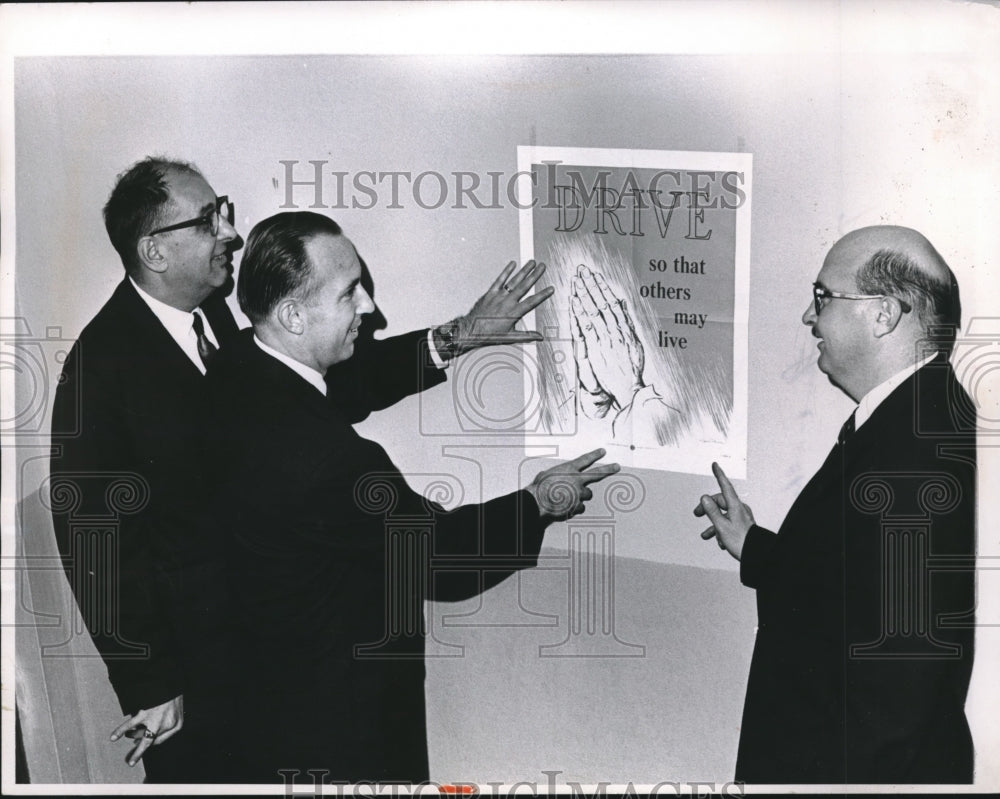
610	361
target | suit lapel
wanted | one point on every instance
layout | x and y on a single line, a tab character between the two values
287	382
912	397
162	350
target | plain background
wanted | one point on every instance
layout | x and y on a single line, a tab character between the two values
885	122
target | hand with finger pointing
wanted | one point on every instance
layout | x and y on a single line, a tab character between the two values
731	518
494	315
562	491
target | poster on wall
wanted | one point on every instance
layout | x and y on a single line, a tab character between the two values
645	350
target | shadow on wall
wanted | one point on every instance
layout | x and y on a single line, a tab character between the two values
66	706
654	695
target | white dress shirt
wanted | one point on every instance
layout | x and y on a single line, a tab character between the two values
305	372
439	362
874	398
180	325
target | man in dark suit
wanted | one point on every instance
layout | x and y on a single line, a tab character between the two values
331	554
127	478
865	596
122	421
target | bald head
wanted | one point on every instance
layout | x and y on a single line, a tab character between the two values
883	294
904	241
900	262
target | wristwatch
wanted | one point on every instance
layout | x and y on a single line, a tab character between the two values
447	333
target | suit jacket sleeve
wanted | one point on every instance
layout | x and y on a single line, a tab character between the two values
118	597
754	560
476	547
472	547
381	373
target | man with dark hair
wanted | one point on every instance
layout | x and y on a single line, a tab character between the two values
125	425
866	595
331	554
280	265
132	380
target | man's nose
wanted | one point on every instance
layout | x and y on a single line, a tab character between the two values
226	231
809	317
365	303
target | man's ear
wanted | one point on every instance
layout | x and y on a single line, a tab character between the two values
291	316
150	255
889	314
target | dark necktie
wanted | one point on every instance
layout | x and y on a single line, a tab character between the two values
847	430
206	349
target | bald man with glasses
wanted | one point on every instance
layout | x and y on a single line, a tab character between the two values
866	594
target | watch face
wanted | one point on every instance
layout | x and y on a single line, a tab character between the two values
448	333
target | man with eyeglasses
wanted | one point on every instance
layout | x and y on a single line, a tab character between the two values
127	481
866	594
133	380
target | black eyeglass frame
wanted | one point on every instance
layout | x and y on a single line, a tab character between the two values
209	219
821	293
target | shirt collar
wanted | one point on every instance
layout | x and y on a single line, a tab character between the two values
177	322
305	372
874	398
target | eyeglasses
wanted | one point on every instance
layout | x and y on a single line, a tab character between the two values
223	209
821	294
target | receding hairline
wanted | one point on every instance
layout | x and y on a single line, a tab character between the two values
309	238
308	245
867	241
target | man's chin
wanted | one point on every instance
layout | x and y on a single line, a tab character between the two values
224	283
228	284
834	381
346	352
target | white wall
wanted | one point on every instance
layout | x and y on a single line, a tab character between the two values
841	138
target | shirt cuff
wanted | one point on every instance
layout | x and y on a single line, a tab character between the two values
439	362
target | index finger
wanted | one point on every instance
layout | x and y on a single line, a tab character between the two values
727	488
581	462
132	722
534	301
599	472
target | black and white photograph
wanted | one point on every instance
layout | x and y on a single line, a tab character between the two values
500	399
